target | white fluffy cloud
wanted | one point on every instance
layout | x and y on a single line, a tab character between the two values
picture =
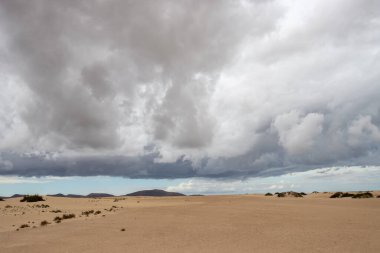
212	88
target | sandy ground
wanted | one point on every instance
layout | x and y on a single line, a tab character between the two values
240	223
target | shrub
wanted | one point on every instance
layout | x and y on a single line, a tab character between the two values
97	212
68	216
8	206
302	193
87	213
56	211
295	194
32	198
1	199
363	195
268	194
281	195
57	219
123	229
24	226
378	196
347	195
336	195
44	223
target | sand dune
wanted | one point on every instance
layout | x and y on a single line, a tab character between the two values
239	223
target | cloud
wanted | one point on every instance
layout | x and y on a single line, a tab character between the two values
27	180
166	89
323	179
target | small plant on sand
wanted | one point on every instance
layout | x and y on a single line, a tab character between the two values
41	206
68	216
1	199
32	198
8	206
97	212
281	195
56	211
44	223
268	194
57	219
123	229
87	213
24	226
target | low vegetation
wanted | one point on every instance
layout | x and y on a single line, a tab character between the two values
87	213
268	194
68	216
363	195
360	195
41	206
24	226
1	199
44	223
56	211
32	198
290	194
57	219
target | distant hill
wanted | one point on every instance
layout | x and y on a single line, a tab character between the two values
91	195
66	196
99	195
155	193
17	196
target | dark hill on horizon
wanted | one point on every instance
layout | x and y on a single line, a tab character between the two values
91	195
155	193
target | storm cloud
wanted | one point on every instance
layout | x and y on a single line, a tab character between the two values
169	89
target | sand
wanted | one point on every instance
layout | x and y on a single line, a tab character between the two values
239	223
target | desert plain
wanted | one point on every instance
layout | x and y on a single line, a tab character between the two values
224	223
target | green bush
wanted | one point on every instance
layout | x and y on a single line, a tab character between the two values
32	198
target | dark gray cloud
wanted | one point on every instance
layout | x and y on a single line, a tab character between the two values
214	88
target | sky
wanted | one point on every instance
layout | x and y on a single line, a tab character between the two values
192	96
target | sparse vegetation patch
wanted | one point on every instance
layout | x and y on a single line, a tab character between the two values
32	198
68	216
57	219
44	223
87	213
268	194
363	195
360	195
